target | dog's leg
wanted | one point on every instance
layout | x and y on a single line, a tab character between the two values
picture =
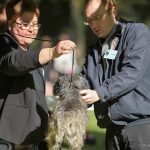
76	143
59	136
74	137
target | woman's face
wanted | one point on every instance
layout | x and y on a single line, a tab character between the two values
24	27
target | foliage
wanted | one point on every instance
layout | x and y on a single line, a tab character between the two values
135	10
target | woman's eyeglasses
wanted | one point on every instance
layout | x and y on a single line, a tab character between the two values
27	26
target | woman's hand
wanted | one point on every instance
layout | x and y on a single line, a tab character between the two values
63	47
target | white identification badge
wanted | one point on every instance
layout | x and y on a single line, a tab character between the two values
110	54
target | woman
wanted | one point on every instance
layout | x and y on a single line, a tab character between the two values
23	109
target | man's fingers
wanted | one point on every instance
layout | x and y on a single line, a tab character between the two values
83	92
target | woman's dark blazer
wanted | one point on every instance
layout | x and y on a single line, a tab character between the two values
23	109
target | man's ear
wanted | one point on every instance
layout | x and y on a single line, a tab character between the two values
113	11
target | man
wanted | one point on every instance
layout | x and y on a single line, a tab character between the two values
118	76
23	108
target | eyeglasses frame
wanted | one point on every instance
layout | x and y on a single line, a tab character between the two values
27	26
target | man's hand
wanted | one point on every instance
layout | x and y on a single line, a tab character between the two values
89	96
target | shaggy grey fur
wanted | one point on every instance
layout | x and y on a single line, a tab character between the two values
68	119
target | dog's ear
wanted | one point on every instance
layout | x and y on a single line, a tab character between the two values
78	81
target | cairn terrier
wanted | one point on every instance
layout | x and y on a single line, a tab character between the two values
68	118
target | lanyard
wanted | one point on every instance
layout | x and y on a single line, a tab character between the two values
111	43
108	40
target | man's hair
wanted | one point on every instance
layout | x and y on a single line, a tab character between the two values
104	2
16	8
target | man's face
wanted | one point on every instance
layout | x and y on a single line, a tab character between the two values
100	18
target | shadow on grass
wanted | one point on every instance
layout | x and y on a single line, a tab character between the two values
98	133
99	143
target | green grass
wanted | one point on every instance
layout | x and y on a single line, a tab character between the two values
97	132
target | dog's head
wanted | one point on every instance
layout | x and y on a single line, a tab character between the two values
65	84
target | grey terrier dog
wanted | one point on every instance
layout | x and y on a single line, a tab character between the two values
69	117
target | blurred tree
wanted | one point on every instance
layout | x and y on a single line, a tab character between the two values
135	10
78	27
55	16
